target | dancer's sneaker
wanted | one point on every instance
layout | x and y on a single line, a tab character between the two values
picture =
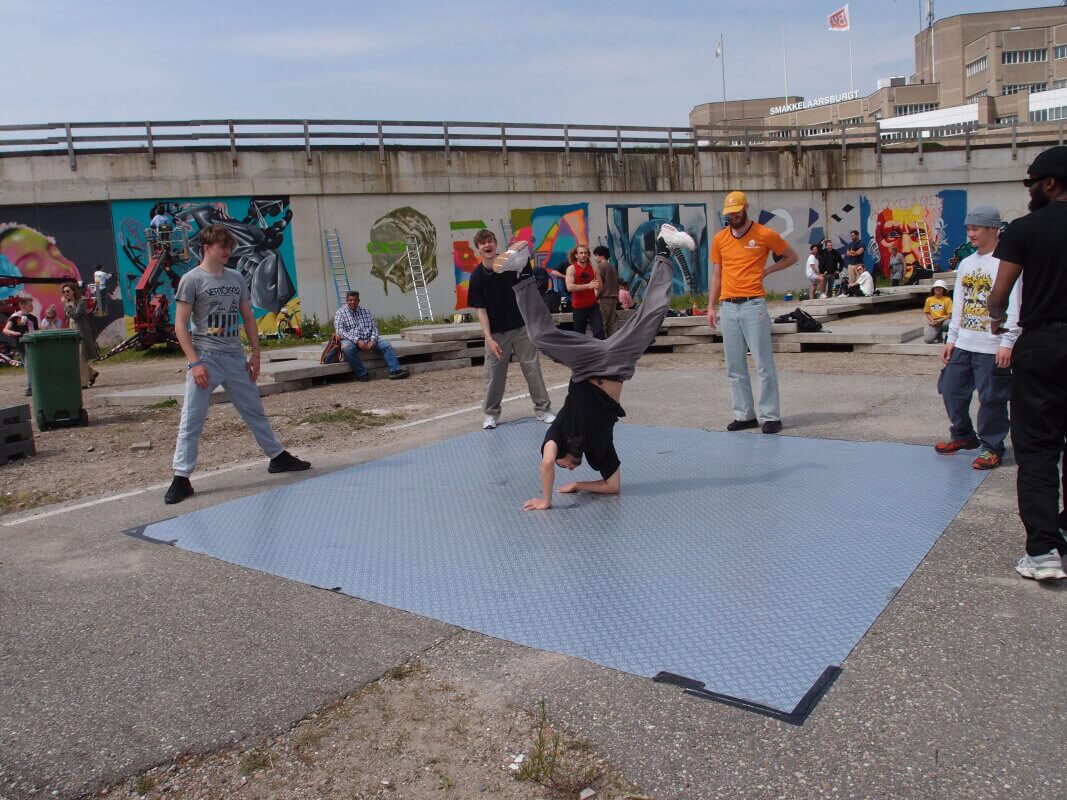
1048	567
987	459
950	446
513	259
546	417
672	237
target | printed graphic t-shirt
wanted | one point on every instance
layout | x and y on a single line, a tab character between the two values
743	260
216	314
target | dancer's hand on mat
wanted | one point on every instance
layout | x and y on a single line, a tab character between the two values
536	504
494	348
569	488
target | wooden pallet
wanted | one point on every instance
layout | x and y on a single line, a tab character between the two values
16	433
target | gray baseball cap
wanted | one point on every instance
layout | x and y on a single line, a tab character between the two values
983	217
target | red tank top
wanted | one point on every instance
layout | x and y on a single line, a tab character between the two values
585	298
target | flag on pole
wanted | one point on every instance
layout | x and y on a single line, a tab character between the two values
718	48
838	21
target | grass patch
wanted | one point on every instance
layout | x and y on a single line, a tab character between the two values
445	781
683	301
253	761
352	417
169	403
398	322
161	351
22	499
143	784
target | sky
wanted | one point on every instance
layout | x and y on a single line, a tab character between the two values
547	61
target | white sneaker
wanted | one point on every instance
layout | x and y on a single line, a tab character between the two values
513	259
547	417
1048	567
488	423
673	237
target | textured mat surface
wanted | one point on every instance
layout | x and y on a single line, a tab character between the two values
748	562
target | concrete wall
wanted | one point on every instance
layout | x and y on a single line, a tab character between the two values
552	200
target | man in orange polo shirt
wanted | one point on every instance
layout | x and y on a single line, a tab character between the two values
738	267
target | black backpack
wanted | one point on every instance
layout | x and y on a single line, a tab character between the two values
806	323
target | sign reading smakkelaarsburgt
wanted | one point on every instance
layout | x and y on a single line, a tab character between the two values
829	99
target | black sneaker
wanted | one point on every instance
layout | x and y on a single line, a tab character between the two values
363	378
399	375
772	426
742	424
180	488
287	462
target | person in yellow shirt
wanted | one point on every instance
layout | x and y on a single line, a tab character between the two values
738	266
938	312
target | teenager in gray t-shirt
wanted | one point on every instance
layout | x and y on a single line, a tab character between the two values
213	307
215	320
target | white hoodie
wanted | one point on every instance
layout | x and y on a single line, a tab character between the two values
969	328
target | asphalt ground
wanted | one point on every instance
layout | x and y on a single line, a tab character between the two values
117	654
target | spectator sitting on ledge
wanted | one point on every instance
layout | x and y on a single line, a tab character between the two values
358	331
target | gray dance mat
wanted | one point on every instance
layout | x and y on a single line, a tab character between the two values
743	567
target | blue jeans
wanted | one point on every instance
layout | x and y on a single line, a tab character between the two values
350	351
965	372
746	326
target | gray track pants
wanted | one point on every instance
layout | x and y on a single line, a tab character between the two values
587	357
231	371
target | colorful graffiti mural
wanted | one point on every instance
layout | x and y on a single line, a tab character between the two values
264	252
632	242
925	229
551	232
59	242
389	240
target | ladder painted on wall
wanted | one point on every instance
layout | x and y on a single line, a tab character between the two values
418	279
336	257
923	240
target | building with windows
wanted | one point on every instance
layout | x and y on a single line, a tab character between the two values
994	67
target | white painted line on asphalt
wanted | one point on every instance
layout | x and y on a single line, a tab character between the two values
466	410
101	500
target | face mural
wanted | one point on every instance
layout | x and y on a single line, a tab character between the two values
263	255
924	229
390	238
28	253
632	233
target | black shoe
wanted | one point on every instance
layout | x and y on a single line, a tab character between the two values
772	426
180	488
399	375
742	424
29	392
363	378
287	462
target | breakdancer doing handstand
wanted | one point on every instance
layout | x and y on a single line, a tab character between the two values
586	423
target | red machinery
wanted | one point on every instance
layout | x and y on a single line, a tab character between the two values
151	309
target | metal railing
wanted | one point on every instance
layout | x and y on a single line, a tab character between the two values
152	137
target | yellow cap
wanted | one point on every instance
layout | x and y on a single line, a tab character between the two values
734	202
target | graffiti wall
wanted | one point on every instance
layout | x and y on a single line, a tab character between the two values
632	242
390	237
925	228
264	252
551	232
50	242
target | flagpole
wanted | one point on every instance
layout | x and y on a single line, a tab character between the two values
785	68
851	79
722	58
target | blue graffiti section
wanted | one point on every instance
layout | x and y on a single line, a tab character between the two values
632	242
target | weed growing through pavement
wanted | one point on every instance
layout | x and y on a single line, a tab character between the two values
253	761
170	402
557	765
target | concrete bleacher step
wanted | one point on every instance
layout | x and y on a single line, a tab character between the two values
859	334
905	349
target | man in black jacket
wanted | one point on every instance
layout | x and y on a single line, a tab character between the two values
830	264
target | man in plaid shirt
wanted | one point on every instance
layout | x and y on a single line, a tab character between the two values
358	331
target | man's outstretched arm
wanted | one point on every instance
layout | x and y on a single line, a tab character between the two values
609	485
548	479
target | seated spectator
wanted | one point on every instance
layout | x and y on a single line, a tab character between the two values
817	284
358	331
938	312
863	286
626	300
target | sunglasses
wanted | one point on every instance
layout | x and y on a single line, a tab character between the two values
1028	182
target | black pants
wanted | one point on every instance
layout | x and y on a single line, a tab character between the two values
589	318
1038	432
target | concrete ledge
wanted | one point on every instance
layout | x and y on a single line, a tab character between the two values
717	347
859	334
159	394
909	349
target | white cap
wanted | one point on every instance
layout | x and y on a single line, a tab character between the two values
942	284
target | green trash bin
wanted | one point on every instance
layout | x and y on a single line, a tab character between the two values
52	357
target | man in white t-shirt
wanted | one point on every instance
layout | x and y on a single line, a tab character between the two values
974	357
816	280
